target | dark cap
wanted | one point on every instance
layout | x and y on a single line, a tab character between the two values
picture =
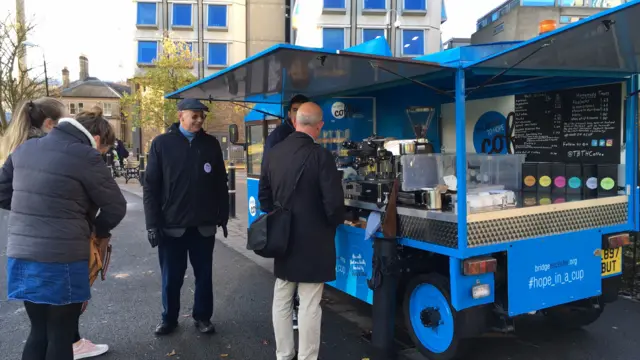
298	99
192	104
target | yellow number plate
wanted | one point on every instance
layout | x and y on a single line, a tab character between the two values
611	261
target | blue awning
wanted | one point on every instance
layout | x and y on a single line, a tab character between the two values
607	42
288	70
262	111
378	46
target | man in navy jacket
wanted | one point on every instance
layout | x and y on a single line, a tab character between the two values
278	135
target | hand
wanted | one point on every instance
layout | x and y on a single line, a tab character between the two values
223	225
154	236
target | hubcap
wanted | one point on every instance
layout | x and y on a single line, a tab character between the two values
430	317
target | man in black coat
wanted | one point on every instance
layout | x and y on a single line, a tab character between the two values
275	137
185	198
287	127
317	207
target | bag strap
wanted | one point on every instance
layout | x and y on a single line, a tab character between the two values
304	162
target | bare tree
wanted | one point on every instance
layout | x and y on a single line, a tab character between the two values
17	82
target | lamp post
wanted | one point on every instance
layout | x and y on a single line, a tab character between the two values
44	62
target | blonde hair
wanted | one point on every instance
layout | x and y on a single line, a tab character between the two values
28	120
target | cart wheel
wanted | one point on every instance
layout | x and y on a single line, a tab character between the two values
430	318
577	314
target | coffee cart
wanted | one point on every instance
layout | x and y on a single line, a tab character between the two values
523	200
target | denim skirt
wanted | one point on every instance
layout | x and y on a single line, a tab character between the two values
48	283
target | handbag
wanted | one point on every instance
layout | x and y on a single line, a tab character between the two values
99	258
268	235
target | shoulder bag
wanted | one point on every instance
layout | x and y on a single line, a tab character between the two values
269	234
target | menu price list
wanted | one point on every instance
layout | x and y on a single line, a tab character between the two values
574	126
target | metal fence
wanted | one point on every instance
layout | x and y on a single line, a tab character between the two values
236	154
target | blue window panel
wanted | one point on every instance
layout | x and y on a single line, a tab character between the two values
413	42
370	34
147	52
334	4
375	4
539	2
415	5
189	46
147	14
333	39
217	54
443	15
181	15
217	16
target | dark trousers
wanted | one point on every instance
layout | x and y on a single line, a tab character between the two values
173	253
52	331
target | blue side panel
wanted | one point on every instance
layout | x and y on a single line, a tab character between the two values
340	114
461	285
553	270
353	263
252	198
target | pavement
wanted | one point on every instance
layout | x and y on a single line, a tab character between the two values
126	308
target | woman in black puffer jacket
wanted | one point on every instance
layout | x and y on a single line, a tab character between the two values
54	187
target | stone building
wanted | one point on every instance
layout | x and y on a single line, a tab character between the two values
87	91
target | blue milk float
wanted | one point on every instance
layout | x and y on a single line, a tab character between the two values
516	168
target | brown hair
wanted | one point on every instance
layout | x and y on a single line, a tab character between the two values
93	121
28	118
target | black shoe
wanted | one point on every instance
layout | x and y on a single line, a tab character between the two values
205	327
165	328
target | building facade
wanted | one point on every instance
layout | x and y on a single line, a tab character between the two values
456	43
216	31
411	26
87	92
519	19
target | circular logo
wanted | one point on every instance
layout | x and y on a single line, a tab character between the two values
560	181
575	182
592	183
545	201
559	201
545	181
207	168
338	110
530	181
607	183
252	206
489	134
530	201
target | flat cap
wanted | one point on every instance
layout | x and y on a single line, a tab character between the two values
192	104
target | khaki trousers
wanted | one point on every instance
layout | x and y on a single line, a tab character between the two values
309	319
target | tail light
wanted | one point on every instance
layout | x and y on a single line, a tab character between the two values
618	240
480	265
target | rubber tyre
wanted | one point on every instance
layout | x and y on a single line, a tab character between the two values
567	318
432	290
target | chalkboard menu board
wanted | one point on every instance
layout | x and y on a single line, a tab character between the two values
580	125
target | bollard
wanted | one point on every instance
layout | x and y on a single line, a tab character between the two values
384	283
141	170
232	190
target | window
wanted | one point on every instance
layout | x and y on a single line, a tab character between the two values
370	34
419	5
570	19
498	29
181	15
592	3
106	109
80	107
333	38
375	4
147	14
334	4
217	54
181	44
540	2
413	42
217	16
147	52
72	109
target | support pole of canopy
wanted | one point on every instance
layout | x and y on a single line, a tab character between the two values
461	159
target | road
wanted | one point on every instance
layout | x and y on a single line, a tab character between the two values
126	308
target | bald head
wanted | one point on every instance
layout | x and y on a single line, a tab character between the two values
309	119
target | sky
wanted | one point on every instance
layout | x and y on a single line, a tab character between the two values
103	30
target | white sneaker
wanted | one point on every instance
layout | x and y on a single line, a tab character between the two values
84	349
